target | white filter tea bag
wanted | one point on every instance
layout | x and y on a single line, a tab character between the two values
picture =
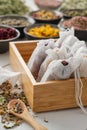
48	42
82	54
83	65
39	55
64	52
61	69
12	77
52	54
63	35
70	41
77	45
80	51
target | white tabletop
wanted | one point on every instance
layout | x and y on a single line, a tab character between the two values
70	119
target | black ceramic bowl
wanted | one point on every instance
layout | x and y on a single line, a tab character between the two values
16	21
46	16
79	33
34	37
4	44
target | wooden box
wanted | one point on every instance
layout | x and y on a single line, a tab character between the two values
46	96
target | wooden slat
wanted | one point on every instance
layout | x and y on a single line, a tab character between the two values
57	95
19	65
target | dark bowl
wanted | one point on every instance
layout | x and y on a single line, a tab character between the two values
33	37
80	34
51	20
16	21
4	44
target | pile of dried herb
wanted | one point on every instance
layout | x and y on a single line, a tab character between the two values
7	93
13	7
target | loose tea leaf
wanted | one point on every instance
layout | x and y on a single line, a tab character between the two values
8	93
17	108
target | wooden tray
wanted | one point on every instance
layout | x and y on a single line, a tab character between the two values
46	96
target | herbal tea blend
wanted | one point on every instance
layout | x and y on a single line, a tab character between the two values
7	93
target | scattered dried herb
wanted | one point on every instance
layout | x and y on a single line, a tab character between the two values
8	92
17	108
2	100
45	120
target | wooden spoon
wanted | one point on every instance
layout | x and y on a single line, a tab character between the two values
25	115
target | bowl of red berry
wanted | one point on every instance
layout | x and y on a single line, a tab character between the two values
7	34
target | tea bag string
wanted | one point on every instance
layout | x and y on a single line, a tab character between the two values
78	90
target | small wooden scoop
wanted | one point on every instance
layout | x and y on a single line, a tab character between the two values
25	115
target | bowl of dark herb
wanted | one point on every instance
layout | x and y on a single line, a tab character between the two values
16	21
7	34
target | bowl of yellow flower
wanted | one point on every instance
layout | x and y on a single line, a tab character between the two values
41	31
